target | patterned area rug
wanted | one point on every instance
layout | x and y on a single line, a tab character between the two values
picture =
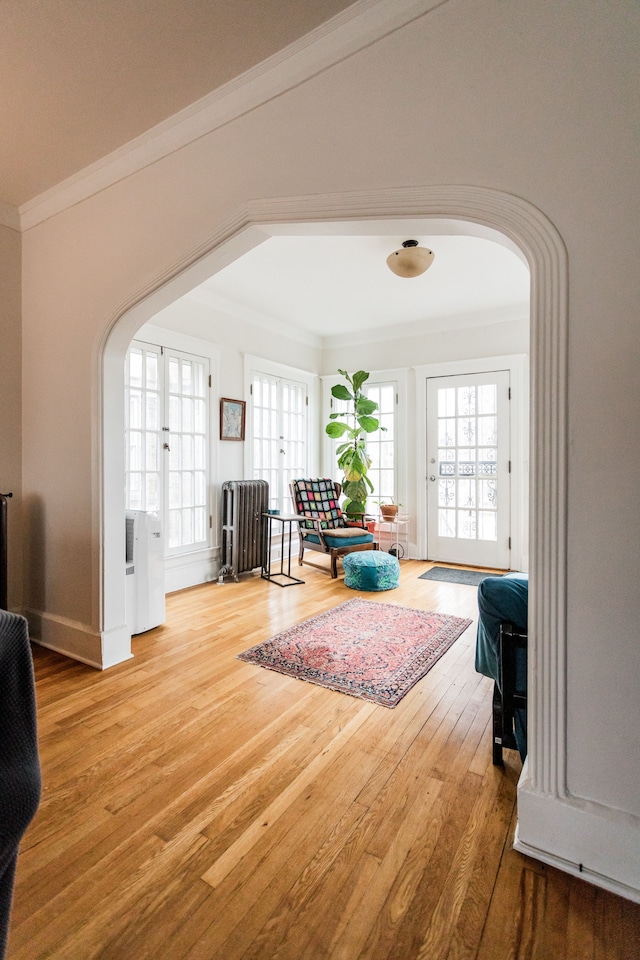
453	575
375	651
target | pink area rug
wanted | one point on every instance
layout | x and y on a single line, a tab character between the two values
375	651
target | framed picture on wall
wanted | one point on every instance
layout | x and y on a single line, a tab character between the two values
232	417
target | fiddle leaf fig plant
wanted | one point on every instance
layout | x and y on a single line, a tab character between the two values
354	424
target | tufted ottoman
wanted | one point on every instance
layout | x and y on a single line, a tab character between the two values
371	570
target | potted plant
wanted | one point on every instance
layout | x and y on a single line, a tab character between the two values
354	424
389	511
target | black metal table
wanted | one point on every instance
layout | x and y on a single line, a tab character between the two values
285	578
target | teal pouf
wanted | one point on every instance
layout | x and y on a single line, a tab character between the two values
371	570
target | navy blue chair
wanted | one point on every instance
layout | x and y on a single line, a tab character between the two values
501	654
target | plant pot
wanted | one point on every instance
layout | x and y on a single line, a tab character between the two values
389	511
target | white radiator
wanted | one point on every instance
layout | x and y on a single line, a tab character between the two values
145	606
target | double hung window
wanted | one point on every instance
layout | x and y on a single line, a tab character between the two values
279	432
381	445
167	442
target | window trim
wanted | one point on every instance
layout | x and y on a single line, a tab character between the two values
399	376
254	365
149	339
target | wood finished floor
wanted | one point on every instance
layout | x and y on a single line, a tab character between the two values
197	807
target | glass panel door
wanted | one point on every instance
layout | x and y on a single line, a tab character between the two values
468	469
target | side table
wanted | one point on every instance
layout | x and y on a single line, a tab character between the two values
282	576
393	535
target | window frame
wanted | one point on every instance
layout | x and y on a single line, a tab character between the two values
390	377
166	436
256	367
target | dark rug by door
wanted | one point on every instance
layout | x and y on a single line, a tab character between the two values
452	575
375	651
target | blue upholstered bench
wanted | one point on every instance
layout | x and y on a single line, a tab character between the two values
371	570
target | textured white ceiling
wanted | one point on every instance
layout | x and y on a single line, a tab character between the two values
337	285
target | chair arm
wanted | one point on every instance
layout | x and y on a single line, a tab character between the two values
316	527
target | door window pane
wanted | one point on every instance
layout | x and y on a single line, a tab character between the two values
467	454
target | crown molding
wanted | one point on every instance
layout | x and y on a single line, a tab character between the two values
360	25
9	216
274	325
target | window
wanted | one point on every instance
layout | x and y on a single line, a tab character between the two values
167	430
381	445
279	428
143	428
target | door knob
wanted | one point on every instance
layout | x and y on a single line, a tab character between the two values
431	477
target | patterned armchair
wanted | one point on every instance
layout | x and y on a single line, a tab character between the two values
325	528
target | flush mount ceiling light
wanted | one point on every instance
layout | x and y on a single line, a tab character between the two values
411	260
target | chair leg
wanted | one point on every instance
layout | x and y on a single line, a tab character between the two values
497	727
334	565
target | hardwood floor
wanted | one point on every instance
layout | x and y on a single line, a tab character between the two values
197	807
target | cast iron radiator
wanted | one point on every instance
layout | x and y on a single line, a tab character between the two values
243	526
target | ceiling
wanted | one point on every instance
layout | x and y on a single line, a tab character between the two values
339	285
80	78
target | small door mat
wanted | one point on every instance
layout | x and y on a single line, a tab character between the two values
453	575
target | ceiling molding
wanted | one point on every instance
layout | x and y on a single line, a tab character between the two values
241	311
460	323
360	25
9	216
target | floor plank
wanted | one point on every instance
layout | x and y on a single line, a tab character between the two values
198	807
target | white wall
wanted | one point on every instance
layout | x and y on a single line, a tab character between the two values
11	406
499	339
499	98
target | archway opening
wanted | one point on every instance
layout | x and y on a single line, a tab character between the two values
524	228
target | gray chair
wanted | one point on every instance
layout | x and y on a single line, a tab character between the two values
20	783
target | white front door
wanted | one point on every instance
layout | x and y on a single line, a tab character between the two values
468	488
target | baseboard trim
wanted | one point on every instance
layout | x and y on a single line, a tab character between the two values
599	845
191	570
78	641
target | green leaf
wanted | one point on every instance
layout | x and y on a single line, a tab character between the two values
355	490
353	471
336	430
358	379
355	508
341	392
370	424
365	406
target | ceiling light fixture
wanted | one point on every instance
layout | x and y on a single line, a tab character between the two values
411	260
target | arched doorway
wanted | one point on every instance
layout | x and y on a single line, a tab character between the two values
522	225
